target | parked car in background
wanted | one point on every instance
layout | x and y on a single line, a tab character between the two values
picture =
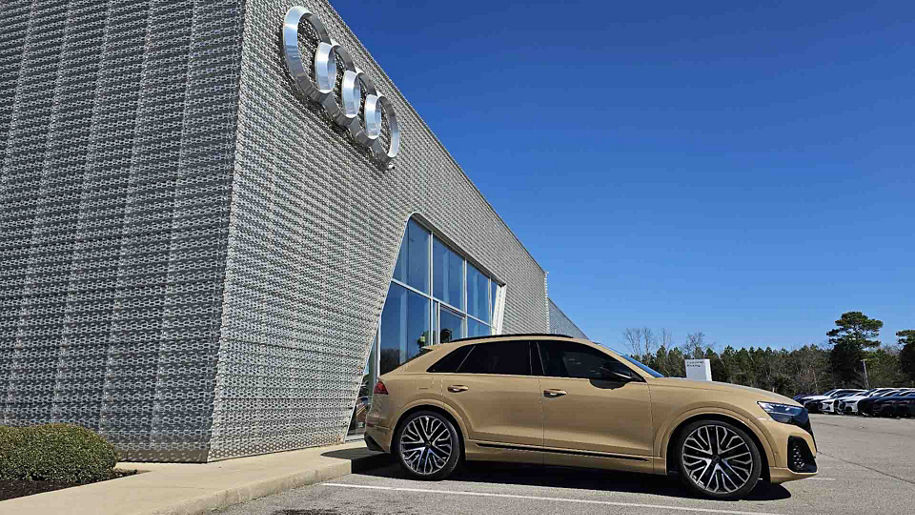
828	405
812	403
849	405
867	406
910	408
897	405
802	398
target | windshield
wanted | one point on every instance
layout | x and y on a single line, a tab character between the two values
652	372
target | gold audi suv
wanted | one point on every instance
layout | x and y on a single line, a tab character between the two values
556	400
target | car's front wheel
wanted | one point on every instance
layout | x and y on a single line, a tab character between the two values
717	459
427	446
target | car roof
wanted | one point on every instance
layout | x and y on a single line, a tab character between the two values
440	348
516	336
511	336
530	337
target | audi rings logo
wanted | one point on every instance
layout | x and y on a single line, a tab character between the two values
367	131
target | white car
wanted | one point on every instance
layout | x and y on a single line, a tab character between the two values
829	405
849	405
812	403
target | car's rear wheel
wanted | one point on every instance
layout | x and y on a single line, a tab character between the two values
717	459
427	446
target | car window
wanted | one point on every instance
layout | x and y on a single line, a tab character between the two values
650	371
570	359
451	361
512	357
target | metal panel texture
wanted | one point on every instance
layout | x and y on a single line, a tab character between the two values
117	138
193	256
562	324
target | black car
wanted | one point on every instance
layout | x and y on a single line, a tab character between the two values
865	406
899	405
803	397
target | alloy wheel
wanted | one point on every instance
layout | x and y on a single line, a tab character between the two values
717	459
426	445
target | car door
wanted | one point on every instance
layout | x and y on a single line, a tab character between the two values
588	406
495	394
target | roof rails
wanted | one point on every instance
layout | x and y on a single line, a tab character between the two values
509	335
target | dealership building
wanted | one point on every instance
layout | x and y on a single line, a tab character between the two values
220	221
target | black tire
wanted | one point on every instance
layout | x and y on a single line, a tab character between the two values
735	470
419	445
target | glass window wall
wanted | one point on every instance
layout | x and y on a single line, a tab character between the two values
405	326
450	325
475	328
435	296
477	294
412	266
448	272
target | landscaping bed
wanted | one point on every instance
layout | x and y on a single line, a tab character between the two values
12	488
48	457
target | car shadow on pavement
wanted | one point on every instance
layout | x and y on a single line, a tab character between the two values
361	459
583	479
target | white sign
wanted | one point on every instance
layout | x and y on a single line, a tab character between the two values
698	370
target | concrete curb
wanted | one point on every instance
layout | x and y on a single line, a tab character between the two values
256	489
191	489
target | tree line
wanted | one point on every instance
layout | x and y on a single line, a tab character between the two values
852	347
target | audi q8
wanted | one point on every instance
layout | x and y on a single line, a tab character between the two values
556	400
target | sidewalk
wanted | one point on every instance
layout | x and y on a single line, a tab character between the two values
190	488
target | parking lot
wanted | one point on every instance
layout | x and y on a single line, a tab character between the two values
867	465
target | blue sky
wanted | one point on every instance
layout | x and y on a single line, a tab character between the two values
744	170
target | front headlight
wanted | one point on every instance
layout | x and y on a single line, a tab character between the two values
783	412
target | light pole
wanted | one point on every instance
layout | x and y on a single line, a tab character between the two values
867	384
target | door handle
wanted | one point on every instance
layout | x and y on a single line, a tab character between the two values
553	393
455	388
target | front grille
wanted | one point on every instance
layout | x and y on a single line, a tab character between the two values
800	459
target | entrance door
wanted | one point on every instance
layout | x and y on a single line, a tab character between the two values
587	407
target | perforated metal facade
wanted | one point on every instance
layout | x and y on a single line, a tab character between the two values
193	258
562	324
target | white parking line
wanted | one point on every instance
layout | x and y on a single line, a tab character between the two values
538	498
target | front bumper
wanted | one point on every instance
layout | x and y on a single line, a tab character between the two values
794	450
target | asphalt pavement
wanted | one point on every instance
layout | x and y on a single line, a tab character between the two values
867	465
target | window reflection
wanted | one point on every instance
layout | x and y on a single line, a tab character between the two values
413	261
477	293
475	328
492	299
450	325
448	272
364	398
404	326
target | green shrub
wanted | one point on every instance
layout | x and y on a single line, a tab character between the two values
55	452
